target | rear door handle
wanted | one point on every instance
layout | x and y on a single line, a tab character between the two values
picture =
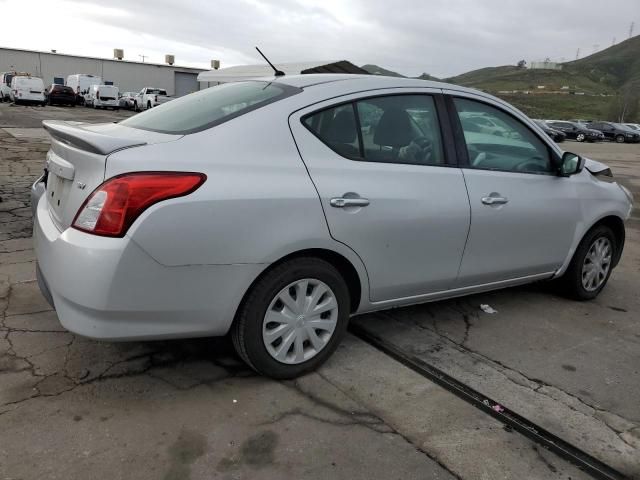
341	202
494	200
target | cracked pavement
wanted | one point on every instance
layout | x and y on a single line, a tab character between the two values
71	407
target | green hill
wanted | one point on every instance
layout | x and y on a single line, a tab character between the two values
495	79
603	82
616	66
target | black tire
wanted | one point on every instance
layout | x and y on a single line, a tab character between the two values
149	106
246	331
581	137
571	282
135	106
619	138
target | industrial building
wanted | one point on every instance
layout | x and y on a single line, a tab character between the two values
54	67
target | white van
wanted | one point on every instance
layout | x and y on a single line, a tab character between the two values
27	90
102	96
81	82
5	85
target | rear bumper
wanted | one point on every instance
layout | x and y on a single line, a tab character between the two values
109	288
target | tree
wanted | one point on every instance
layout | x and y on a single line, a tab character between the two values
626	106
522	64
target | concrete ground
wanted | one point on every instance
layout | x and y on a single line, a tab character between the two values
76	408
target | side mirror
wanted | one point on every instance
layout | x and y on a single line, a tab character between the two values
571	164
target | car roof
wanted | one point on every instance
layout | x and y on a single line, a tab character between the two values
355	82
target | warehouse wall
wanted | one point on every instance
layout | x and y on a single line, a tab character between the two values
128	76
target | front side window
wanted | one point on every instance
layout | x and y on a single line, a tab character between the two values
390	129
497	141
209	107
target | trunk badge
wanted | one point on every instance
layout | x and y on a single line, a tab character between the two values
81	185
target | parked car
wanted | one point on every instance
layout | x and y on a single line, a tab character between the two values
616	132
80	83
261	209
576	131
127	99
102	96
5	86
555	135
27	90
61	95
633	126
150	97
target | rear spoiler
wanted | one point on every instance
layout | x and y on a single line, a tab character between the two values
72	133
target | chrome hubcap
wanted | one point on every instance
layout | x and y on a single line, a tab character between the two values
300	321
596	265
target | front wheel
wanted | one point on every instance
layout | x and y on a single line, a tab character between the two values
292	319
620	138
580	137
591	264
148	105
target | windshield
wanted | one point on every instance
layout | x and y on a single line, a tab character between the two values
207	108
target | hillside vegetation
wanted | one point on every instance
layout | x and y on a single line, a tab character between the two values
606	81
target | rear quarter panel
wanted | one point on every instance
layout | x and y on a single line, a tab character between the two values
257	205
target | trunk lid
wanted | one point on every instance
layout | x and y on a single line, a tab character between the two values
77	160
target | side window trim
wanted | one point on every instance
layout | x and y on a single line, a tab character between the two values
461	144
449	157
354	105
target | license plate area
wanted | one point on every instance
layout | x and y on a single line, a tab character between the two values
57	192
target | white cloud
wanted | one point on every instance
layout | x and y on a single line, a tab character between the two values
441	37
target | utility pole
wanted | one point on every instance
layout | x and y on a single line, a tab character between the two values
631	27
578	54
143	57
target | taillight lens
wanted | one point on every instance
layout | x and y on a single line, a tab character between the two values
112	207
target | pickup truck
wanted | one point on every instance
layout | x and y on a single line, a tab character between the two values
150	97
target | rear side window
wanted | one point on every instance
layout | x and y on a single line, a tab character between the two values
207	108
389	129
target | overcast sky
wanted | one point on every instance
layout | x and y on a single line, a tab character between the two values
440	37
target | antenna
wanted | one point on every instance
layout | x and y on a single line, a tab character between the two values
278	73
613	42
143	57
633	24
578	54
595	48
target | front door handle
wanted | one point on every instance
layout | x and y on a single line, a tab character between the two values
342	202
490	200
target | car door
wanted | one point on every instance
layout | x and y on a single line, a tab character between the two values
387	187
523	215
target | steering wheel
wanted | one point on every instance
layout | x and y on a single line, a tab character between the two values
534	164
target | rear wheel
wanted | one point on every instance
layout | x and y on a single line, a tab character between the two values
591	264
293	318
620	138
148	105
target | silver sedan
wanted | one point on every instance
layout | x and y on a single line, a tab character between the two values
275	209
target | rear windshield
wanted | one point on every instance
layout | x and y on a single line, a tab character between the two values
157	91
207	108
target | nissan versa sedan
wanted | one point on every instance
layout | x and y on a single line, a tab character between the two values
275	209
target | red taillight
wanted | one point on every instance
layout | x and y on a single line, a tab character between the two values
112	207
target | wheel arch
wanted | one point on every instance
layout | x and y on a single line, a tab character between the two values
346	268
616	224
611	220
